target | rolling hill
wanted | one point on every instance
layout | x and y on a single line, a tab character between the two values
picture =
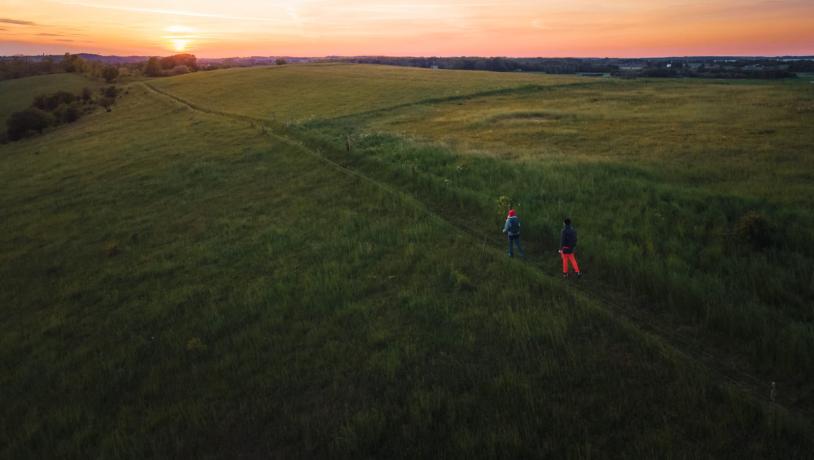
188	276
17	94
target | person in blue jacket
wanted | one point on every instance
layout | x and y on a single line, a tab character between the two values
512	229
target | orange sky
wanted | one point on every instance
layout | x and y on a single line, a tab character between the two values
210	28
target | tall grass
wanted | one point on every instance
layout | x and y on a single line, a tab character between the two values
179	284
658	174
672	249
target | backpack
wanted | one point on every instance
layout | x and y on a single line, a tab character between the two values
514	226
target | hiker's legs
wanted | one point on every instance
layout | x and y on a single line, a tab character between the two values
566	258
572	258
519	248
511	253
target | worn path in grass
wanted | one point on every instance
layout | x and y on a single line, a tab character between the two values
725	368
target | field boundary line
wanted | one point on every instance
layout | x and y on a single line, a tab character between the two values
521	89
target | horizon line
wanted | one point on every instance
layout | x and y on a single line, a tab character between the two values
340	56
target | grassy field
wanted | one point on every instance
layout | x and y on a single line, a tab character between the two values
177	283
742	138
659	174
17	94
288	93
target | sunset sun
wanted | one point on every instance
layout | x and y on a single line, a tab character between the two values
180	44
180	37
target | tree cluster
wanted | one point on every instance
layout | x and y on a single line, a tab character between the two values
72	63
171	65
54	109
109	70
19	67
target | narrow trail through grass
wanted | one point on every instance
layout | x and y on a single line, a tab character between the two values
725	369
525	89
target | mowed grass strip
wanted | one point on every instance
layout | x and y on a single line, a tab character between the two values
179	284
316	91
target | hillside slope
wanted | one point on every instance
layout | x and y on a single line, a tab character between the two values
692	198
17	94
317	91
177	283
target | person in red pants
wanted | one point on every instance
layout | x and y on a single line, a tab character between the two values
568	244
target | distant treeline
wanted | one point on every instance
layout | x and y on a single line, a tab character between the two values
497	64
27	66
111	67
678	67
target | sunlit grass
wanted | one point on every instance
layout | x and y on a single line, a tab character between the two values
747	138
315	91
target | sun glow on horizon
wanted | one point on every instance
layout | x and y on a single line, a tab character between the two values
180	37
180	45
579	28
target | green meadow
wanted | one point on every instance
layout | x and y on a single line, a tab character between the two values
208	272
292	94
17	94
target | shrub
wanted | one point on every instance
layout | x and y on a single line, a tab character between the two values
107	102
281	62
20	124
50	102
67	113
152	68
87	94
179	70
110	73
753	229
110	91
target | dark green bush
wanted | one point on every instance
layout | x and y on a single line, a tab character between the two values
68	113
54	109
21	124
50	102
179	70
110	73
753	229
110	91
107	102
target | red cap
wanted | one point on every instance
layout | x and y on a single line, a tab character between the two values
512	213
